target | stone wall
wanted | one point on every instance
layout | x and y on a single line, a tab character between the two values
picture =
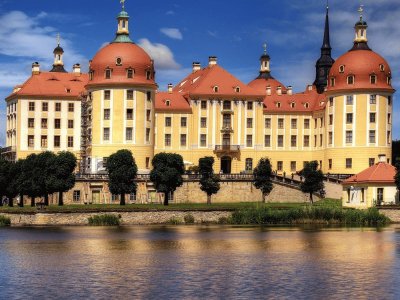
392	214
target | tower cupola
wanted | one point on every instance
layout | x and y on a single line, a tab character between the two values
325	62
265	69
58	65
122	35
360	40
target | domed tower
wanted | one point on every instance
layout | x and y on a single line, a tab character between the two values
359	107
121	89
58	65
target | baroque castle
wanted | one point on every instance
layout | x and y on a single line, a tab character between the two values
343	120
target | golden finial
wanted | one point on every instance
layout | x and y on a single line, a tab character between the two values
123	4
265	48
58	39
360	11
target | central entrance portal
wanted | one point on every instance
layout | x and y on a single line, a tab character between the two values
226	164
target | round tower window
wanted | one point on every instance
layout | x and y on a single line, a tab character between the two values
118	61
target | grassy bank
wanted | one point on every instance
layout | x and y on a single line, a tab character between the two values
104	220
308	215
4	221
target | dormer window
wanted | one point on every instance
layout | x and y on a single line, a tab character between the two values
237	89
108	73
68	91
216	89
148	75
332	81
372	79
292	105
278	104
389	80
167	102
382	67
129	73
350	79
306	105
91	74
118	61
341	69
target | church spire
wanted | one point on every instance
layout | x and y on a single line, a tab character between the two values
325	62
58	65
122	35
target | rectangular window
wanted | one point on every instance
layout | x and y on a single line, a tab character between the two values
267	141
249	105
203	104
249	140
129	133
147	162
58	106
306	142
43	141
44	123
106	114
203	140
31	106
108	73
293	166
129	114
45	106
129	95
330	164
349	118
167	121
183	121
227	105
268	123
389	100
77	196
203	122
330	101
249	122
148	115
321	140
129	73
330	138
349	137
371	161
71	107
167	140
315	123
183	140
389	137
349	163
372	99
349	100
31	123
280	123
70	124
226	121
372	136
293	123
107	95
57	141
330	119
106	134
322	122
148	135
372	117
279	165
57	123
389	118
315	140
293	141
307	124
148	96
280	140
31	141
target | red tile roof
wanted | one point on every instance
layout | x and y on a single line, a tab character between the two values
177	102
202	84
52	84
378	173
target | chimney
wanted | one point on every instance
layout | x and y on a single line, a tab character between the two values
76	69
279	90
212	61
290	90
269	90
309	87
170	86
196	67
35	68
382	158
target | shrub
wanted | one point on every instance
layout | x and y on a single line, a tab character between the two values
4	221
174	221
224	220
104	220
189	219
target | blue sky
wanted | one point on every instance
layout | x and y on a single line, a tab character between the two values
176	33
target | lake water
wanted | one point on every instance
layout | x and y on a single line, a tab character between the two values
192	262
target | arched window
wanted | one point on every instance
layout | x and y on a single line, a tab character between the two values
108	73
249	165
292	105
278	104
129	73
350	79
372	79
306	105
341	69
332	81
167	102
382	67
237	89
216	89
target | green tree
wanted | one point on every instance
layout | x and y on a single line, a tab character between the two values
262	177
61	177
167	172
4	178
122	171
44	167
313	179
27	180
209	182
12	188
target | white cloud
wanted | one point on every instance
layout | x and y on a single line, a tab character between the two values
164	77
212	33
162	55
170	13
173	33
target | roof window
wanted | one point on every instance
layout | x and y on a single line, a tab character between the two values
341	69
118	61
382	67
168	102
350	79
216	89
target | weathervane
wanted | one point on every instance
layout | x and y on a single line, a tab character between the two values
265	48
58	39
361	10
123	4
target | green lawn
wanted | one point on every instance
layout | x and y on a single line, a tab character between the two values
158	207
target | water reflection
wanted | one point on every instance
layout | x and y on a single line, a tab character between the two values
199	262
